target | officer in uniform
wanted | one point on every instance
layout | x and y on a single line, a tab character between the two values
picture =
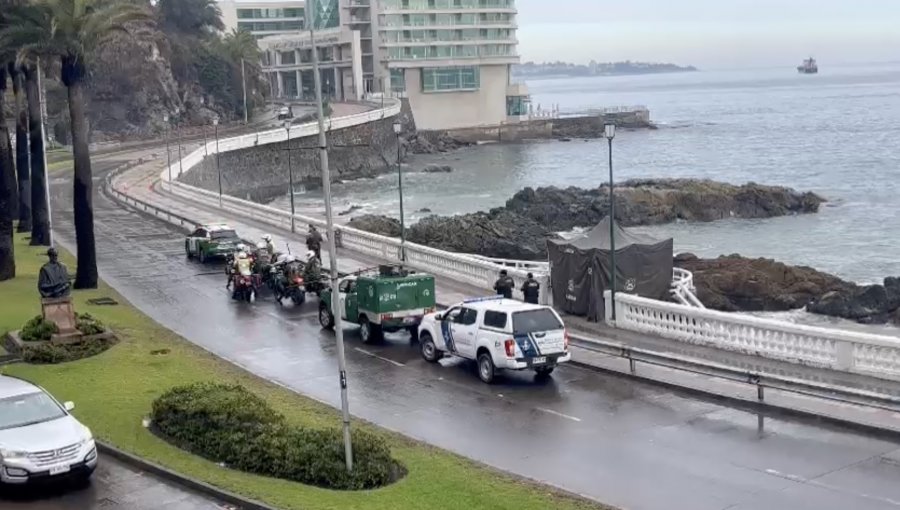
504	285
531	289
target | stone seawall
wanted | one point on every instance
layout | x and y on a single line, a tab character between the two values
261	173
588	126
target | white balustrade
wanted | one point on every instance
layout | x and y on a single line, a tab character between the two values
849	351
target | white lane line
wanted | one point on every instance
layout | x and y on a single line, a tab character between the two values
556	413
367	353
800	479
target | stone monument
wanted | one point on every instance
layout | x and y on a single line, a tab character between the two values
56	304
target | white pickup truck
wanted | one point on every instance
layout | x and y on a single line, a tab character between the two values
499	334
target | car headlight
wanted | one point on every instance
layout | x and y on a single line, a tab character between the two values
12	454
88	437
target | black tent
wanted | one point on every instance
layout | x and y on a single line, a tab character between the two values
579	268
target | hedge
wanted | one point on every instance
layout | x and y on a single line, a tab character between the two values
231	425
38	329
50	354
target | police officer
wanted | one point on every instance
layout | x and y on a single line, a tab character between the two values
504	285
530	289
314	242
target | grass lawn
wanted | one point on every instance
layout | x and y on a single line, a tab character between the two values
114	391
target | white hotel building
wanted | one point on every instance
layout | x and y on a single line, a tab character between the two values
450	58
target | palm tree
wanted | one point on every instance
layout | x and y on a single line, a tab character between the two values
22	160
74	31
7	192
40	209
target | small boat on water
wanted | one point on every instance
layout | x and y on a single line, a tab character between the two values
809	66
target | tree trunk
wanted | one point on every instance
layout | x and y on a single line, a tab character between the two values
7	193
22	168
40	212
86	274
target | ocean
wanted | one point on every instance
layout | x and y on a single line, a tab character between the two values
836	133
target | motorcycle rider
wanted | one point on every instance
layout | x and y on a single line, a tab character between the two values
312	270
242	266
314	242
270	246
231	268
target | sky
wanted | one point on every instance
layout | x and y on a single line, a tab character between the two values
710	33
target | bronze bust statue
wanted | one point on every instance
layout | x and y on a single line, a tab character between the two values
53	281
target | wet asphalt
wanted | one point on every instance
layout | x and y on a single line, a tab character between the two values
610	438
114	486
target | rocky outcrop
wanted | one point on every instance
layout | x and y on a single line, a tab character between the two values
376	224
432	142
498	233
655	201
733	283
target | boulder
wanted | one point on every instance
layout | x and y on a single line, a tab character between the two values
437	169
350	210
424	210
655	201
376	224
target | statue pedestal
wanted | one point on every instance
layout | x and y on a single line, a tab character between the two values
61	312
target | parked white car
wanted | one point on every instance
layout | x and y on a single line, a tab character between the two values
500	334
39	439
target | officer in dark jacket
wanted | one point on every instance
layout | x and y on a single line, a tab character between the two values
314	242
505	285
530	289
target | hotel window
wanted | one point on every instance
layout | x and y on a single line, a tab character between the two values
442	79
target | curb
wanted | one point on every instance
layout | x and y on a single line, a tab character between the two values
193	484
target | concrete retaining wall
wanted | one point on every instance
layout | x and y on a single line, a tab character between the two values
539	129
261	173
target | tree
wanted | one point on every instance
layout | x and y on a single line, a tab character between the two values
190	17
73	31
8	210
40	209
22	160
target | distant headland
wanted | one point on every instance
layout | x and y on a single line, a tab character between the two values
558	69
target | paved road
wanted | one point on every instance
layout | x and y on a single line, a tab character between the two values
610	438
113	486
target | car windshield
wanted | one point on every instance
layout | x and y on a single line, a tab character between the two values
534	321
28	409
223	235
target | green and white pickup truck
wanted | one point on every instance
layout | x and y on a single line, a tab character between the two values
387	300
211	241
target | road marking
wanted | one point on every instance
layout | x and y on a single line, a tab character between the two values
367	353
555	413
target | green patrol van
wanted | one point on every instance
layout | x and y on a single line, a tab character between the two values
384	300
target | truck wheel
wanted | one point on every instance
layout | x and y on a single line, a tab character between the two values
543	372
326	318
370	333
414	333
486	368
430	351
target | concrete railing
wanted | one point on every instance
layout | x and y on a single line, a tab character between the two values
683	289
848	351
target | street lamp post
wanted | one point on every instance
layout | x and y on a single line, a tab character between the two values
178	134
218	168
168	152
287	127
609	132
398	128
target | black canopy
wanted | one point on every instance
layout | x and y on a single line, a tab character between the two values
579	268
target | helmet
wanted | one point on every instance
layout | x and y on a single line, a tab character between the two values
267	238
242	255
261	245
241	247
310	255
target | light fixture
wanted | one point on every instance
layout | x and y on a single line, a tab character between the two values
398	127
215	120
166	117
609	131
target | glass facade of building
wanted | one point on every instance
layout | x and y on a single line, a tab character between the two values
443	79
325	13
270	26
447	4
290	12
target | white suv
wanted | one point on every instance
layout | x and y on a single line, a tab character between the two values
39	439
498	333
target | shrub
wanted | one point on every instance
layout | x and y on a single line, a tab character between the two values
231	425
49	354
38	329
88	324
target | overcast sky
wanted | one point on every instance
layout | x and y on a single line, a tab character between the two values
710	33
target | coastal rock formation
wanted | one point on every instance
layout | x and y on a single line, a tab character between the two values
432	142
733	283
376	224
499	234
655	201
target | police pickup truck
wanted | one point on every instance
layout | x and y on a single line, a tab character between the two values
499	334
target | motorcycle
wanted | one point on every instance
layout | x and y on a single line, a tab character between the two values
288	282
244	288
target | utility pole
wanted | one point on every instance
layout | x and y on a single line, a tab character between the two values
332	252
42	100
244	89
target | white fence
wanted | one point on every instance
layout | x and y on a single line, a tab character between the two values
848	351
683	289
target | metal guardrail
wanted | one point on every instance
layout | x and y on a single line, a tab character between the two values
848	351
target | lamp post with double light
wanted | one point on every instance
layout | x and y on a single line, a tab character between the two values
168	152
609	132
398	129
